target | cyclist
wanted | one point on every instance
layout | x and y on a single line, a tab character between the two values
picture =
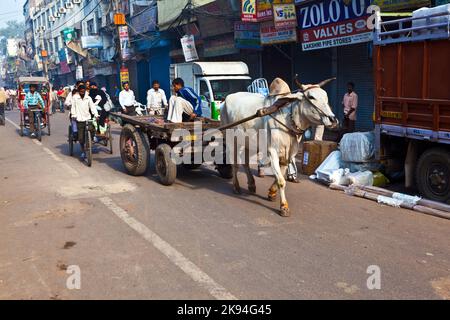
33	100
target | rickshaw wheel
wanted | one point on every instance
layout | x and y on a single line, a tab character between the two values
110	140
88	147
47	115
165	167
39	128
70	141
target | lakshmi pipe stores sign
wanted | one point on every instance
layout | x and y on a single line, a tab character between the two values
331	23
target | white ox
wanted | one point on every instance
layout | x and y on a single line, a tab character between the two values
309	107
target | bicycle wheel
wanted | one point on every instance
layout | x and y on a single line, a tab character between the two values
88	148
47	115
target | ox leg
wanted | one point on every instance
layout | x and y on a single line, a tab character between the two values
273	191
250	179
281	182
236	186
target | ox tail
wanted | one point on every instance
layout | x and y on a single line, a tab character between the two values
224	113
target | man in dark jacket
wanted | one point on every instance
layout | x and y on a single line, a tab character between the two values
100	99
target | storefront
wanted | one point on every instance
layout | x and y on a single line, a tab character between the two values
334	40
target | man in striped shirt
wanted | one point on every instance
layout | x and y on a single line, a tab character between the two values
186	105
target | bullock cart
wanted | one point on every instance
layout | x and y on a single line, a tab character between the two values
142	134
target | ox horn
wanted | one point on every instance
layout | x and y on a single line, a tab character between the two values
325	82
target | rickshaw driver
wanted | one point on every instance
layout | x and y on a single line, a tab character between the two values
33	100
83	109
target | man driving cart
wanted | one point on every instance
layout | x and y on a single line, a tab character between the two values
33	101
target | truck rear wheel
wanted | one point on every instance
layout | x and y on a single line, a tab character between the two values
134	150
433	174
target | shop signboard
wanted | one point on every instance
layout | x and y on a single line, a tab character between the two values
79	73
332	23
124	42
271	35
264	10
69	34
249	13
189	49
124	75
285	15
92	42
247	35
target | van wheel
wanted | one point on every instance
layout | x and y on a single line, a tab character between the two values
433	174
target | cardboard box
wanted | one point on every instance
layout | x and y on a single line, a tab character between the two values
314	153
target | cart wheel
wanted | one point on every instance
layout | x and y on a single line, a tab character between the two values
39	128
134	150
165	167
48	124
88	147
110	140
225	171
70	141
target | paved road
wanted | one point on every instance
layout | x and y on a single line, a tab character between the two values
135	239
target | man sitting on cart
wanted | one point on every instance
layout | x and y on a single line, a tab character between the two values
83	109
33	100
186	105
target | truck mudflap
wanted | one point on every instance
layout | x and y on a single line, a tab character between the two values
416	133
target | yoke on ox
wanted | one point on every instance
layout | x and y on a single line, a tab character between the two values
307	107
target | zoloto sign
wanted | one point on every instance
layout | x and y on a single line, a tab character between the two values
332	23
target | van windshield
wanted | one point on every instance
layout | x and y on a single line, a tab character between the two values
222	88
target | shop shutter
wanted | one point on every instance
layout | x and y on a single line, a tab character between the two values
355	64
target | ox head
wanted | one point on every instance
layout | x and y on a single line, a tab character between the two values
315	107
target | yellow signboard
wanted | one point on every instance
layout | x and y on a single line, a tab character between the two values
392	114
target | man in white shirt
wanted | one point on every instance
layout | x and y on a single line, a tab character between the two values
127	100
83	109
156	99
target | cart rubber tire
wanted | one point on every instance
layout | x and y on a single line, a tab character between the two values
88	148
140	165
433	174
71	142
165	167
225	171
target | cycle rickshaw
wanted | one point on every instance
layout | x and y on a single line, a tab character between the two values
92	137
41	115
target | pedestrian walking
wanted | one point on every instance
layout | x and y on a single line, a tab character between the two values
3	100
127	100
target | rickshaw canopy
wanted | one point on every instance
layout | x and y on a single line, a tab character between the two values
33	80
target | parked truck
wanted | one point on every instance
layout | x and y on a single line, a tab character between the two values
213	81
412	113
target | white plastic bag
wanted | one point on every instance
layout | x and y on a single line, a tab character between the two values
361	178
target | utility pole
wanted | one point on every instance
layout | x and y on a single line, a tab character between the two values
44	54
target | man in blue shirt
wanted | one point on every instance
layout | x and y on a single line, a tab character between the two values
185	105
33	100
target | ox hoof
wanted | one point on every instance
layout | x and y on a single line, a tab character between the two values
252	189
237	190
285	212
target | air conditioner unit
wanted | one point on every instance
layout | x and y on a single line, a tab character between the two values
69	5
62	10
56	15
76	1
51	19
42	29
